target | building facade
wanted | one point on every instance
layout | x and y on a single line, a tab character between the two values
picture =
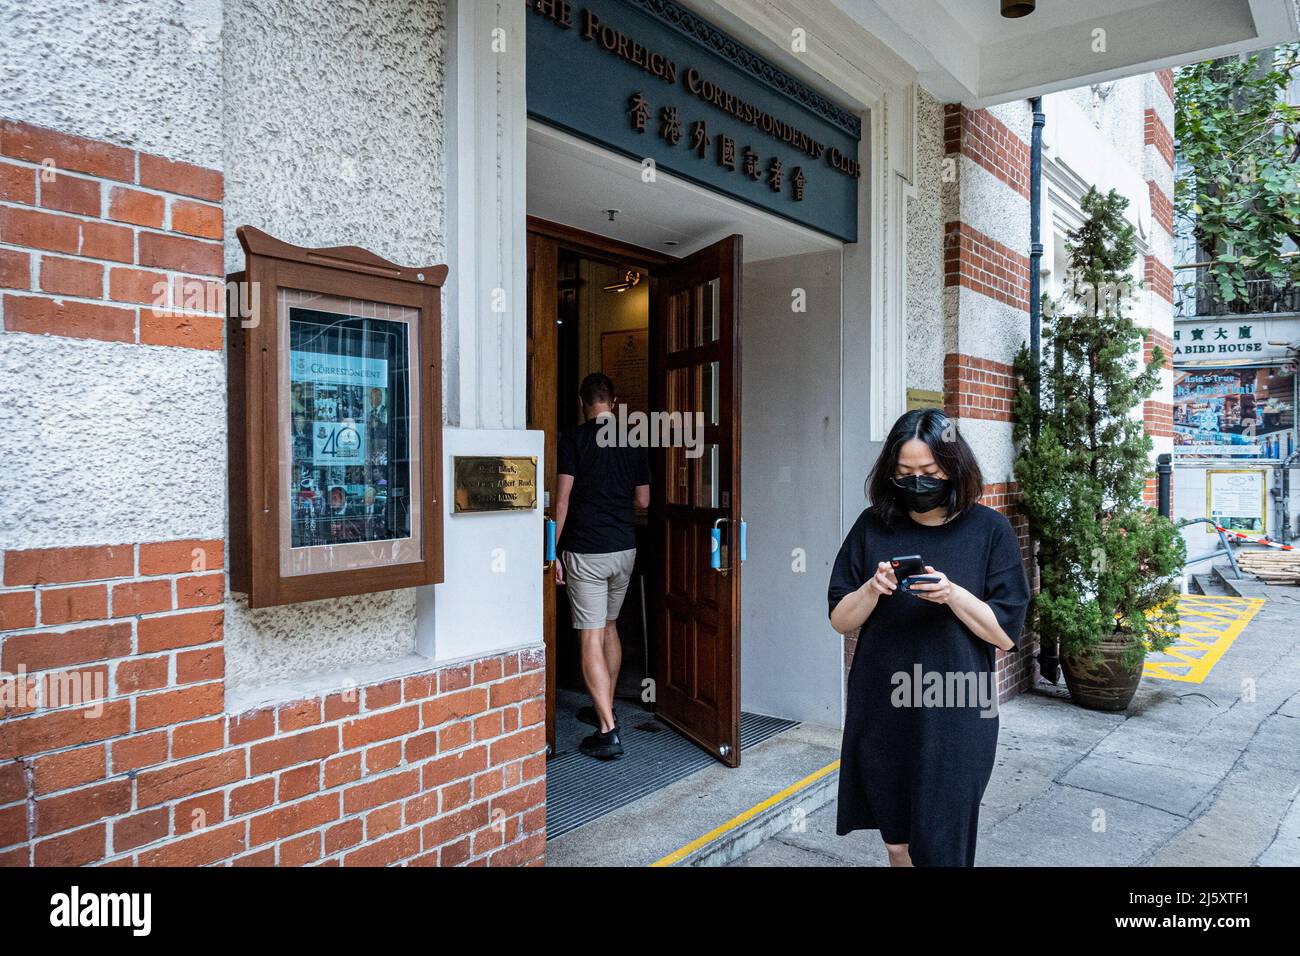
152	715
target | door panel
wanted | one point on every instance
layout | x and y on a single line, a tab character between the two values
695	305
543	281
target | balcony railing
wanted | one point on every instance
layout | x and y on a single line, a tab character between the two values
1196	293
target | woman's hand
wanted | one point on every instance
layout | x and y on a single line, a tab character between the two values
883	581
936	592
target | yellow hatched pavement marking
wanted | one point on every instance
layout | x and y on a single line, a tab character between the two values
1208	625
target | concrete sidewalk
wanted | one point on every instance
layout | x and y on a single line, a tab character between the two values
1191	775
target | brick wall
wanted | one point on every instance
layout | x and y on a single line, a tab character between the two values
976	261
114	746
979	135
977	388
102	242
1158	278
1156	133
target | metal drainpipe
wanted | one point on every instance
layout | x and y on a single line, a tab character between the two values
1048	658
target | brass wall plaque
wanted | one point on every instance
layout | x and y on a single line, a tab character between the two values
923	398
495	483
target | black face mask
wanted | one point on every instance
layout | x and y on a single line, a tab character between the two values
921	493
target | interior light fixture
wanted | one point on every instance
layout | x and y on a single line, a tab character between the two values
630	279
1014	9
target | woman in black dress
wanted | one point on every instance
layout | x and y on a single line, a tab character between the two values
921	725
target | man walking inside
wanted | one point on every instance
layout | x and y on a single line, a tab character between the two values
599	483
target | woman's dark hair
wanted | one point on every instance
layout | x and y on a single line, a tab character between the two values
951	453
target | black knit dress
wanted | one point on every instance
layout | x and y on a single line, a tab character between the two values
919	738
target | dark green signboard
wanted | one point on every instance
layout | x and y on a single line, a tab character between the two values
655	82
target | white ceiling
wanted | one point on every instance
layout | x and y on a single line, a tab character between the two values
574	183
965	50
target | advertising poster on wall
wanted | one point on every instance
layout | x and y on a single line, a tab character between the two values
1236	500
1234	411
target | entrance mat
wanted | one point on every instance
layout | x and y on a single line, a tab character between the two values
580	789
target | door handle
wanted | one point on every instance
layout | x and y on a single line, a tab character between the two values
549	557
716	547
742	540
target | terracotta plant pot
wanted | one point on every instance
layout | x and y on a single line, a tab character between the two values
1105	685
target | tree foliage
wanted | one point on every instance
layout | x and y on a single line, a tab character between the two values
1106	562
1237	185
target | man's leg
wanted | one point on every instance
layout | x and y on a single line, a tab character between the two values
595	672
613	648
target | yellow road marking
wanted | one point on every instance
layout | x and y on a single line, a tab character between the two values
753	811
1208	625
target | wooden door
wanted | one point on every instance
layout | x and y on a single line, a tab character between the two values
695	305
543	255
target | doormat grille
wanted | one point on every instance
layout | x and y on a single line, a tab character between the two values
580	789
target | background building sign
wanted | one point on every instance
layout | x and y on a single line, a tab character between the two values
652	80
1234	411
1236	500
1228	338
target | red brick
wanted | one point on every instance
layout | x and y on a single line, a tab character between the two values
520	851
453	826
71	605
296	716
140	828
393	723
420	808
177	177
455	795
18	184
70	768
13	825
520	799
487	670
65	565
190	777
180	254
75	688
344	768
77	848
375	793
385	820
71	277
199	813
387	851
383	695
344	704
346	834
200	850
196	219
191	740
294	818
264	857
181	557
46	649
139	286
251	797
181	330
465	703
293	749
142	751
522	744
178	706
71	194
178	630
454	678
454	854
207	663
80	320
55	232
252	725
516	689
457	766
17	610
200	590
199	295
141	673
134	206
383	757
301	850
13	782
15	269
35	144
141	597
81	807
300	781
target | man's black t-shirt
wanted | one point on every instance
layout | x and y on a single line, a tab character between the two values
605	479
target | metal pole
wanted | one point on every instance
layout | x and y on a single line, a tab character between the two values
1164	473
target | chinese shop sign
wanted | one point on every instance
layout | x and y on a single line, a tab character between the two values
651	80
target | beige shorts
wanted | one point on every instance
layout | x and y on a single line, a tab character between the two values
597	584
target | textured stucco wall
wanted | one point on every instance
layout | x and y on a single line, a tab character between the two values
139	73
925	318
99	447
334	136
